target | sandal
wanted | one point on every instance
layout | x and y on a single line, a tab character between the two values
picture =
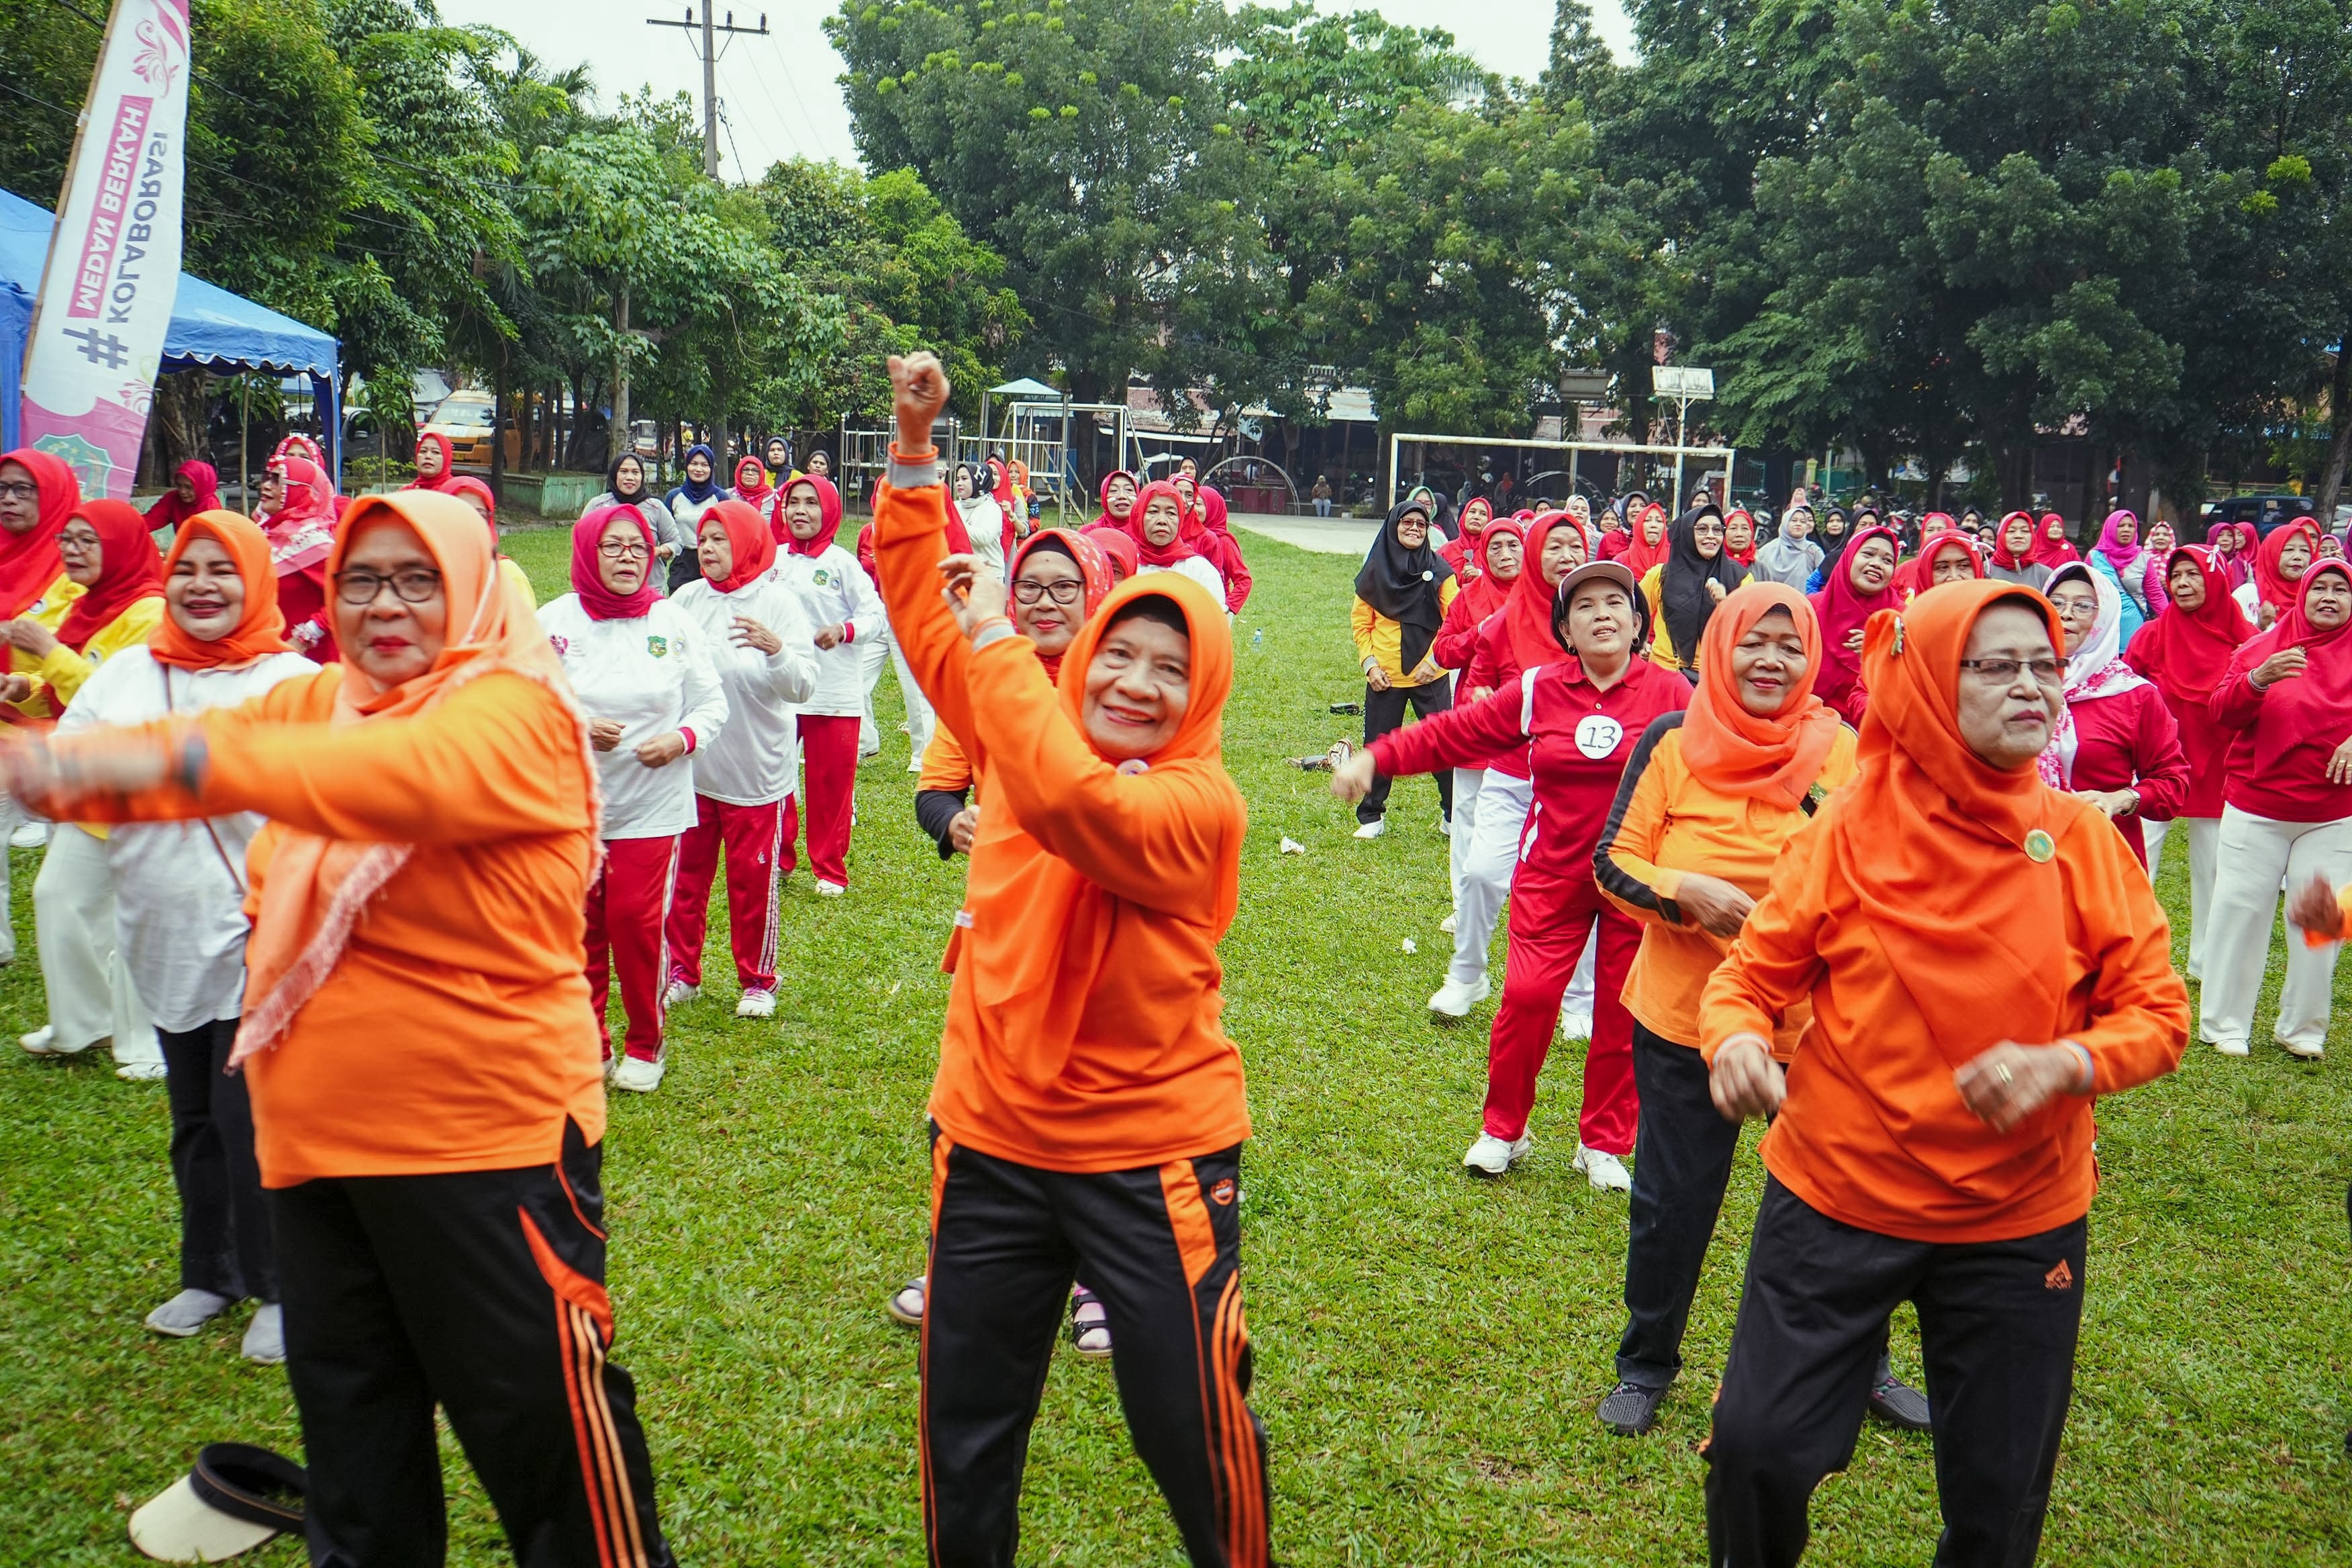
906	1305
1089	1324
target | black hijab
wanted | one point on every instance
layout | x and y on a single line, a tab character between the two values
1682	584
1832	547
1404	585
613	481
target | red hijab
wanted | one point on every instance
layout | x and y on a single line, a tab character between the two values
1482	595
2050	546
1777	757
2184	652
1102	493
1177	549
129	570
1915	576
2001	555
446	479
1841	606
1743	558
601	603
260	630
753	547
30	562
467	485
1118	549
756	491
2272	586
828	505
302	530
171	512
1527	609
1639	554
1094	571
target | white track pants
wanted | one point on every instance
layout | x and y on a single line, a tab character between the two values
91	993
2255	854
2200	836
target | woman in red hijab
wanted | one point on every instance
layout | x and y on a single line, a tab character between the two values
2013	552
751	486
1739	538
436	463
299	520
2286	812
194	489
1649	546
1496	560
2185	651
2050	545
1710	796
1981	958
2280	563
1222	550
109	552
1860	584
2233	547
1462	552
1119	492
1948	556
2115	745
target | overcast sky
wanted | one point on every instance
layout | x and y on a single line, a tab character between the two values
779	95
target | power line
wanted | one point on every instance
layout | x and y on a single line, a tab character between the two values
712	32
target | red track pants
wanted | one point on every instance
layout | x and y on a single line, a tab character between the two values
751	833
1548	921
829	754
628	904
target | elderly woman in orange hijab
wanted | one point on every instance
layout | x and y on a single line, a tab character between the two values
1088	1113
431	826
1983	957
1708	797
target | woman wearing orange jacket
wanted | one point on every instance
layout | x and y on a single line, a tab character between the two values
1088	1113
1982	957
432	826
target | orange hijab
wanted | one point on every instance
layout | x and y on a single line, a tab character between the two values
317	888
261	630
1039	930
1952	860
1776	758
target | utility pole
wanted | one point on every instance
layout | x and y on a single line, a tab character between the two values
709	53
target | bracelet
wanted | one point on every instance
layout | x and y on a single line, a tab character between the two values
2090	1078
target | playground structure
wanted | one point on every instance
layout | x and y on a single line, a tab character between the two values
1715	462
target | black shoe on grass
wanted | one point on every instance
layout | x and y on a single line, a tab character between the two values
1629	1409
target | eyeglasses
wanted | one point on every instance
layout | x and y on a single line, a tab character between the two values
414	586
621	549
18	489
1064	593
76	542
2001	671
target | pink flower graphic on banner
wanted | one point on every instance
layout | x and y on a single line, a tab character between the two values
137	396
154	64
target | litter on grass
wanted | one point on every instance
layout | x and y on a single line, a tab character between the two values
1409	946
1292	846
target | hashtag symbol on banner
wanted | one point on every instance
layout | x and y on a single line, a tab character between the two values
108	351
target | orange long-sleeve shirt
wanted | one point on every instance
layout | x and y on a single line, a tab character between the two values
1665	823
1873	1131
1152	1076
455	1033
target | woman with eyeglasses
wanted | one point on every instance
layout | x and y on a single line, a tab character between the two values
624	485
428	1117
298	513
110	556
845	609
764	650
645	679
1983	958
2115	745
1684	589
2285	701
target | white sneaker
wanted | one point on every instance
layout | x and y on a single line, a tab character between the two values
637	1074
1446	925
142	1072
1606	1172
1445	826
2310	1053
264	1337
757	1005
1490	1156
678	994
31	835
1373	828
1454	999
1576	1025
826	889
186	1313
40	1042
2229	1048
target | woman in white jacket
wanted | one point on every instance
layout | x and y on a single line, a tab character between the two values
180	925
645	679
840	599
765	651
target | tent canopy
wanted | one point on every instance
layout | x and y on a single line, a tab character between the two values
1024	387
210	326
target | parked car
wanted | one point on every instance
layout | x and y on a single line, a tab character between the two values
466	419
2268	513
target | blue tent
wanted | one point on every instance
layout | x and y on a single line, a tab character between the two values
210	326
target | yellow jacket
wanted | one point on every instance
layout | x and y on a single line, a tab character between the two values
64	671
48	612
1381	640
1662	643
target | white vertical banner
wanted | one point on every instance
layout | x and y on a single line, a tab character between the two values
113	270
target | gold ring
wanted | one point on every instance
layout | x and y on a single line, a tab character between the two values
2006	1077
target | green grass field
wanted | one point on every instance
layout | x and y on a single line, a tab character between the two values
1429	1348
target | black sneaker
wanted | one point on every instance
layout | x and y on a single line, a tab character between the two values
1629	1409
1898	1404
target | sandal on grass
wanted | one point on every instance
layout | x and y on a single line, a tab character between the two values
1089	1324
906	1305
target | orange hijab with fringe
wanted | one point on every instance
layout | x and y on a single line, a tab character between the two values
259	631
1939	846
1039	930
1775	758
317	888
